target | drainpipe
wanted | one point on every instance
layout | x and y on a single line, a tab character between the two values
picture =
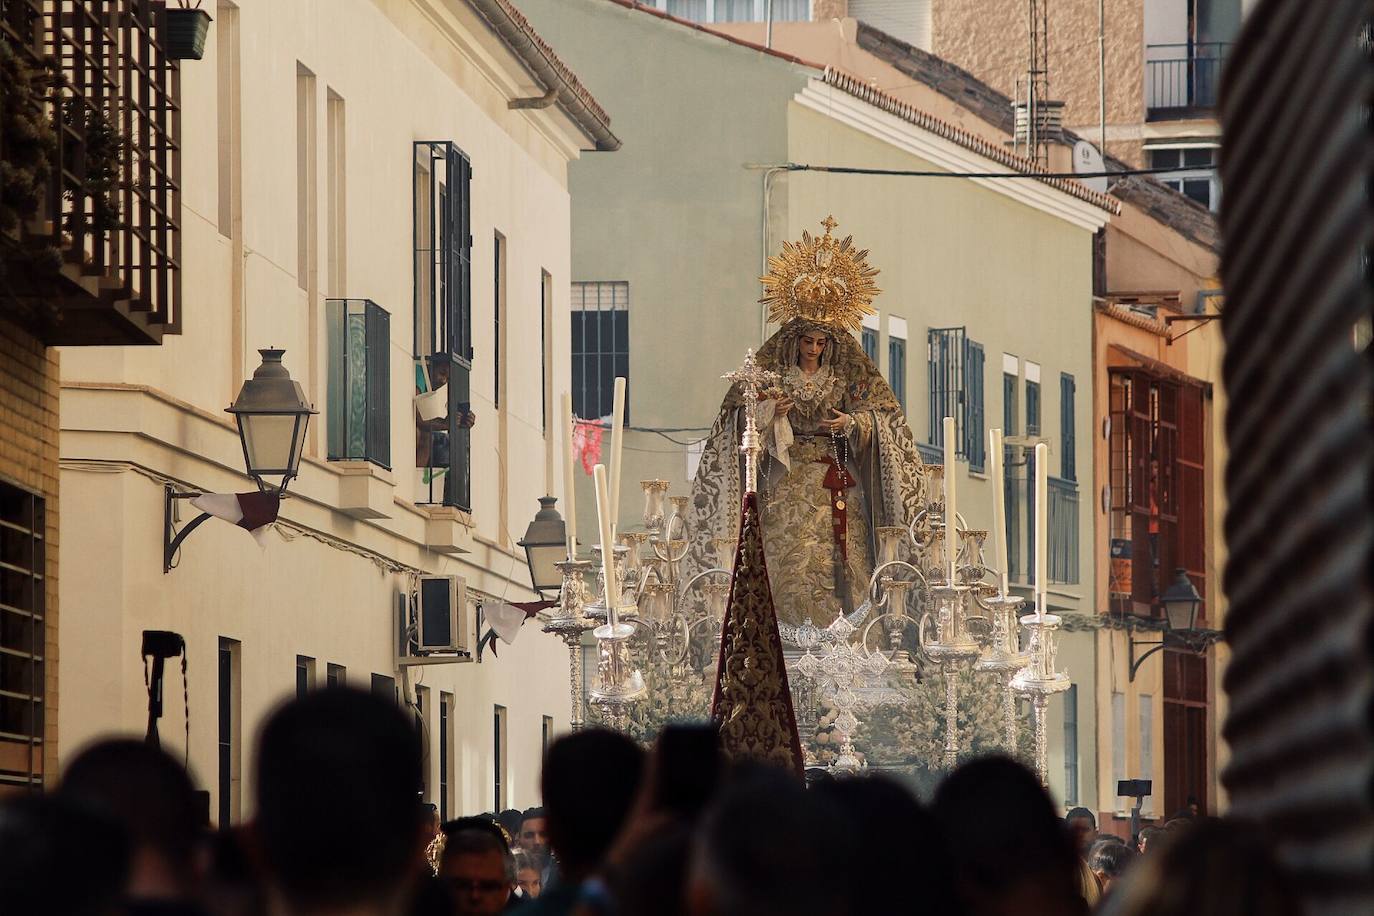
535	101
1102	76
768	172
768	35
496	15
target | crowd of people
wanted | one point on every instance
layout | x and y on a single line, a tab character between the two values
338	828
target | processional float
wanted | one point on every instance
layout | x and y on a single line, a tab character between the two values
930	577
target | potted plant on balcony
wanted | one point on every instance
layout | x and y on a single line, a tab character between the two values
103	151
186	29
28	147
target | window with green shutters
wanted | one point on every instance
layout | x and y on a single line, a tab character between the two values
869	338
975	444
1012	481
896	368
1067	389
956	390
359	383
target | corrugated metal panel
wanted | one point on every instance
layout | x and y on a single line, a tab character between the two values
1296	222
908	20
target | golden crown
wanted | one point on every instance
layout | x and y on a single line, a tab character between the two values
821	279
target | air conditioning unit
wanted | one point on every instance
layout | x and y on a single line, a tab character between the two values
437	626
442	619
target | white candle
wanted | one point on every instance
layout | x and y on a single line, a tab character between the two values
1042	498
617	443
570	475
603	518
951	531
999	505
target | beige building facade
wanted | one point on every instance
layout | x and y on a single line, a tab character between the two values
1143	75
83	263
997	273
372	188
1161	724
1138	78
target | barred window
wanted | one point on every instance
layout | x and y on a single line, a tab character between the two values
22	593
1068	391
956	390
600	345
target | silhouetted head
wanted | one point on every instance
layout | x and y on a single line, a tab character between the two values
804	864
148	792
339	820
1006	841
900	846
510	822
60	857
589	782
1109	860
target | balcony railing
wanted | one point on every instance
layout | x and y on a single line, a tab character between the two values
1063	525
98	258
1181	80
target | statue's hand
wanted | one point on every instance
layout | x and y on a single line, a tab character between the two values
783	408
838	423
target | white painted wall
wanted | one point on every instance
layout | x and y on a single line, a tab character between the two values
414	70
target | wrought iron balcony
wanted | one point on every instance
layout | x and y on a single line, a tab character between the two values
1182	80
92	251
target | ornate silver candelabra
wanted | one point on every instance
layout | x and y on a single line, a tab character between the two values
568	622
1041	680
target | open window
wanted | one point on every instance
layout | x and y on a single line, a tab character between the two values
443	323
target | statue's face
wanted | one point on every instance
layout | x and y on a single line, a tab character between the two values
812	346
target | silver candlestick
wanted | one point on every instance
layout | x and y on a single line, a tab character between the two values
1004	656
952	649
751	378
618	682
654	492
1039	680
568	622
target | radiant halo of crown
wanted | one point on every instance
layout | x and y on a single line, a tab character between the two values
822	279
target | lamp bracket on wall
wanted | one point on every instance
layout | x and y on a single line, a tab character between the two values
1196	641
171	538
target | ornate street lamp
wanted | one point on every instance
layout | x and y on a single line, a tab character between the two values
1180	601
546	546
272	415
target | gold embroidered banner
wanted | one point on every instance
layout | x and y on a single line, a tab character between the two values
752	703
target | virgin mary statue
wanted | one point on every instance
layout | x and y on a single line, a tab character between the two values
839	458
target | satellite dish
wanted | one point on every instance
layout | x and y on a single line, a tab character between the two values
1086	159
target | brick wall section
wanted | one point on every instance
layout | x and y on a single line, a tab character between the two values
29	382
